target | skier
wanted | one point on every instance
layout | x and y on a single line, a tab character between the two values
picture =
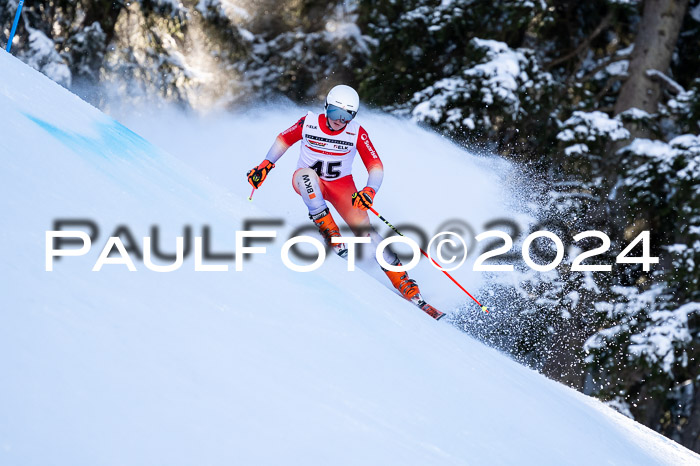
329	143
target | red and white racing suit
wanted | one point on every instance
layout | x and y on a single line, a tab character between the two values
325	159
324	170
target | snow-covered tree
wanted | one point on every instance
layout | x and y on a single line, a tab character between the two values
500	89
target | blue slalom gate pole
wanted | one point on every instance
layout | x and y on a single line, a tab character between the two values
14	25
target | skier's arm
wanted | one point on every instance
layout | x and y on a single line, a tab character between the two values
370	157
286	138
375	171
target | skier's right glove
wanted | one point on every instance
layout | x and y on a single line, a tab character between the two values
257	175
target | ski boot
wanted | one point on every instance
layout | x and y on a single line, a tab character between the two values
409	290
406	286
328	229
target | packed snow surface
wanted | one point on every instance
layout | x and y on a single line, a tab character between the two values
266	365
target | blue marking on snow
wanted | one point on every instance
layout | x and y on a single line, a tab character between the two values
117	142
114	140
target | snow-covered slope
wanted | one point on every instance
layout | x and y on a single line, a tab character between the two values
263	366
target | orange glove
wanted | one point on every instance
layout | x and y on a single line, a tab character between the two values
363	199
257	175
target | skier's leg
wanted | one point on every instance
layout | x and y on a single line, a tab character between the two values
339	193
308	185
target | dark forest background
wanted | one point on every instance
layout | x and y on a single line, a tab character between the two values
598	101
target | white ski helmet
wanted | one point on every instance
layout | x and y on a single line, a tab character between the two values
342	103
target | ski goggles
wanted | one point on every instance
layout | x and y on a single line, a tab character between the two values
337	113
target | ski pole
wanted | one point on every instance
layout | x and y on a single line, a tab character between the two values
14	25
483	308
250	198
